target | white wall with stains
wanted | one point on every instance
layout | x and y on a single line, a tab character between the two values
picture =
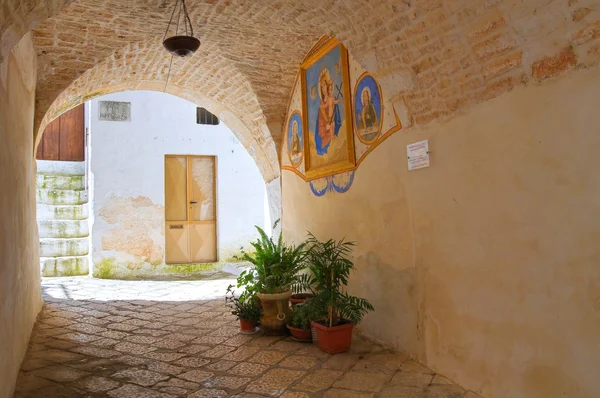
127	179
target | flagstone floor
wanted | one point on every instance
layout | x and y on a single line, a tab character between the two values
138	339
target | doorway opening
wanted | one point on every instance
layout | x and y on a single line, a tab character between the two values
148	159
62	196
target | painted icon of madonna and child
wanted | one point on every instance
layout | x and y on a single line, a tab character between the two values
326	98
329	119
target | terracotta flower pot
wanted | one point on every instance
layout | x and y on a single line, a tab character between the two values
276	312
299	298
302	335
247	326
336	339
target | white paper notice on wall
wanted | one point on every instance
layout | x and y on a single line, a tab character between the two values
418	155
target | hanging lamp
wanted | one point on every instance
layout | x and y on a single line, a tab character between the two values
185	44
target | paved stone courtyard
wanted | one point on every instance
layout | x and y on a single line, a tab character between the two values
139	339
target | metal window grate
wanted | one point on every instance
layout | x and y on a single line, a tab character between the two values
205	117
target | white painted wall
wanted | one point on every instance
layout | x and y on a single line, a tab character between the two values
127	161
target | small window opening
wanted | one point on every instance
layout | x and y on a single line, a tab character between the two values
205	117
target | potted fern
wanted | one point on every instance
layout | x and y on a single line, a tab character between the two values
330	269
245	309
276	268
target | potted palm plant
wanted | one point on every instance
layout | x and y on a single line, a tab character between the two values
246	309
330	269
276	268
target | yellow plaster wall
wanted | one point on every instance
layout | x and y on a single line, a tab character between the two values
20	299
375	214
485	265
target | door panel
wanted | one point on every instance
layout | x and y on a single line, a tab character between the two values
190	209
50	142
202	184
64	137
177	243
176	206
72	126
203	243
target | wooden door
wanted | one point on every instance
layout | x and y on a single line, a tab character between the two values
64	137
190	209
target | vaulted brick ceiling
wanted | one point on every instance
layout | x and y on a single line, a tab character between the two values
433	57
92	48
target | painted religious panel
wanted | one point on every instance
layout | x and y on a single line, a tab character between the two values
326	105
295	139
368	109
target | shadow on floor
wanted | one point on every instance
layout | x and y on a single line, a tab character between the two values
98	338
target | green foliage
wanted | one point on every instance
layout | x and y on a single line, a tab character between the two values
300	317
105	269
303	314
330	269
234	258
192	268
276	265
247	280
248	310
305	282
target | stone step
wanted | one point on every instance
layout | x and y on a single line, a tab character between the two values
76	183
62	212
57	247
63	228
60	167
61	197
65	266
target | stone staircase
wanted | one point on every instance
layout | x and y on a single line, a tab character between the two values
62	218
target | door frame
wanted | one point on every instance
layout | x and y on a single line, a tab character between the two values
190	221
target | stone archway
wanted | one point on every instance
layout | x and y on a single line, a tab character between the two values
263	151
436	57
207	79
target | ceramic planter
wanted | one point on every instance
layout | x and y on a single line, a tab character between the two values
302	335
276	312
336	339
247	326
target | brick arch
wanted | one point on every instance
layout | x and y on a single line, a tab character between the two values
227	94
250	56
264	43
433	57
263	151
19	17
